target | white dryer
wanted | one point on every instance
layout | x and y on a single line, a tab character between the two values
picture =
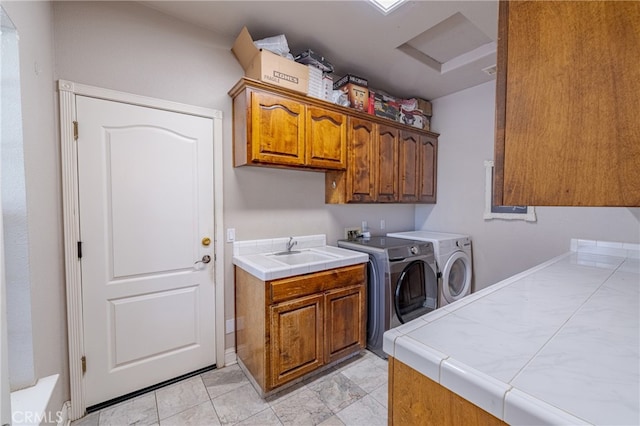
453	259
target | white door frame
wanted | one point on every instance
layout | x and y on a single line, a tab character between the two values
68	91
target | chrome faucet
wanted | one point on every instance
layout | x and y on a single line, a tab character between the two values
291	243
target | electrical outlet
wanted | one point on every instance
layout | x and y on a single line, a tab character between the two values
231	235
382	224
352	233
365	226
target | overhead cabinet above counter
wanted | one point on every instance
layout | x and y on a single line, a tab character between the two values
567	127
369	159
275	127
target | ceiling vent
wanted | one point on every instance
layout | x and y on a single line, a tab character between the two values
450	44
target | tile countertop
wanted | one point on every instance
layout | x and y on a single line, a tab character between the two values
250	256
556	344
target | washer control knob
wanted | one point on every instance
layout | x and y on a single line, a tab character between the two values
414	250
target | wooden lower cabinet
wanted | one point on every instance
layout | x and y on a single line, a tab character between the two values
345	326
296	338
288	328
414	399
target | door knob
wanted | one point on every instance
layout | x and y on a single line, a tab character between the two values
205	259
206	241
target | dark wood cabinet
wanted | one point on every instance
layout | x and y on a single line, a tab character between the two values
290	327
276	129
386	164
296	338
345	328
418	168
361	153
567	127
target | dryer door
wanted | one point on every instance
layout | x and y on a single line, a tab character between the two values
456	277
415	290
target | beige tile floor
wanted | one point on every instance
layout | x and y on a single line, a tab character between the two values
352	393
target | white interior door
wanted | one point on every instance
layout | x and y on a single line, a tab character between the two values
145	179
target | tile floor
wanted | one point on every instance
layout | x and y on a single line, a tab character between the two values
352	393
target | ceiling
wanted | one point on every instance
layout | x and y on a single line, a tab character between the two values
422	48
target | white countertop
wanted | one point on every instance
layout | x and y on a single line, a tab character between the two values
557	344
253	256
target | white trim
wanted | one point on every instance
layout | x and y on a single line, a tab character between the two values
230	356
529	216
68	91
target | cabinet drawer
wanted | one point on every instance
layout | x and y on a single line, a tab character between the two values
290	288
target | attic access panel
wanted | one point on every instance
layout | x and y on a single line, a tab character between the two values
450	44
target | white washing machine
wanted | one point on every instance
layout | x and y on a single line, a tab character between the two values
453	259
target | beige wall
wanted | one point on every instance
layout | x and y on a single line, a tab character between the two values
128	47
34	23
502	248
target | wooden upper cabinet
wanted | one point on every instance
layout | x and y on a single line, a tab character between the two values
427	168
409	167
363	155
387	164
361	174
417	167
326	138
277	130
567	126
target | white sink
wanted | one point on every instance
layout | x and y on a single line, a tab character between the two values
267	259
300	257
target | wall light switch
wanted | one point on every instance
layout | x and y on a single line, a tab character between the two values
231	235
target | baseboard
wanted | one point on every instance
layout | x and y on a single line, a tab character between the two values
230	357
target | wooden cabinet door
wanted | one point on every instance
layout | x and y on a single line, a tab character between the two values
345	317
360	184
277	130
428	169
409	163
387	164
567	127
326	139
296	338
417	160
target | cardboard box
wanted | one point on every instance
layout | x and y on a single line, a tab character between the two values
418	104
356	90
327	88
316	86
309	57
266	66
425	107
384	106
414	118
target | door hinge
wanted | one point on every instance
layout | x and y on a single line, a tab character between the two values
84	364
79	249
75	130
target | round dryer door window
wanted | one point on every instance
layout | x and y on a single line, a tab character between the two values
456	277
